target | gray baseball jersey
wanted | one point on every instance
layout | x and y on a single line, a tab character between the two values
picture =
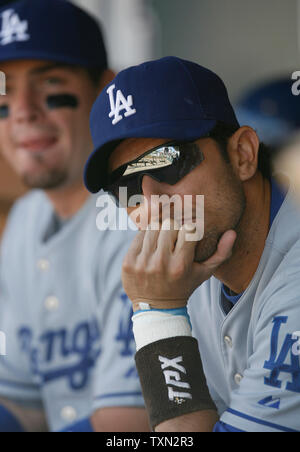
67	320
251	353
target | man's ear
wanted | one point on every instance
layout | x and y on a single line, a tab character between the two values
243	149
107	76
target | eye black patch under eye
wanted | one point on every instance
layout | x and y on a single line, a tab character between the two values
62	101
4	111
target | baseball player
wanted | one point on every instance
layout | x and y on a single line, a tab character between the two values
69	360
241	370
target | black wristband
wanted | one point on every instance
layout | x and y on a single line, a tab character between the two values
172	379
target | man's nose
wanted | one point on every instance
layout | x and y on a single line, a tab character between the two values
148	211
151	186
25	107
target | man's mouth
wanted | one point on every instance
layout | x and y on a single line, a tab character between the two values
37	145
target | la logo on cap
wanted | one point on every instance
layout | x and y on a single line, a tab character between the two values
13	29
119	104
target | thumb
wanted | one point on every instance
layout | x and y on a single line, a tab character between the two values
223	253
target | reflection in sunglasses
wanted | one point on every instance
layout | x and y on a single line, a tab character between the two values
160	158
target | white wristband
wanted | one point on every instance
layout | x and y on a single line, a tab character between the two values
153	326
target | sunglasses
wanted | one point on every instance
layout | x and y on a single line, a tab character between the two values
168	163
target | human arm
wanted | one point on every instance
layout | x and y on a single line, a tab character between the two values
267	399
159	270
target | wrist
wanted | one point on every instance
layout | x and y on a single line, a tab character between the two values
172	379
155	325
169	364
163	304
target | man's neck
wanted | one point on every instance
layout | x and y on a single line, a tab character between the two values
68	201
238	271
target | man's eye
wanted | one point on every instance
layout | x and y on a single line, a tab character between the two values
4	111
53	81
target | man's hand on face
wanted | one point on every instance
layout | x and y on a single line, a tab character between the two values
159	268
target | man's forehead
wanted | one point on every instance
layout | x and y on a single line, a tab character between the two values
131	148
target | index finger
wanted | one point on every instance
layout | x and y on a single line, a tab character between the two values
184	245
136	246
168	236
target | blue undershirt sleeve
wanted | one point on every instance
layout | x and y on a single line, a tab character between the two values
83	426
221	427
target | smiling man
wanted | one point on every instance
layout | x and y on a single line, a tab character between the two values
240	282
69	362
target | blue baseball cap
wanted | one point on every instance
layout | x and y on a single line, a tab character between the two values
54	30
168	98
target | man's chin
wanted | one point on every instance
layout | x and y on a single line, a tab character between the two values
206	248
48	181
203	255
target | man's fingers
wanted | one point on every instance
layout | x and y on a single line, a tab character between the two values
183	245
150	240
135	248
167	237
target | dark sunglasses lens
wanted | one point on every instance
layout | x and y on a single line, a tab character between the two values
191	157
131	186
169	164
180	160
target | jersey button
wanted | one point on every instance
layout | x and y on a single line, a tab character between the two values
238	378
228	341
43	265
51	303
69	414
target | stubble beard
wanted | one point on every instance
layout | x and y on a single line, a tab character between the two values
234	207
48	179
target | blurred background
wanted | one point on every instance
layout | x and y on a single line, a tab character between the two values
254	47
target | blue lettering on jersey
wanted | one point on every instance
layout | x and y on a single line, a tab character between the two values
270	402
81	343
277	362
125	334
